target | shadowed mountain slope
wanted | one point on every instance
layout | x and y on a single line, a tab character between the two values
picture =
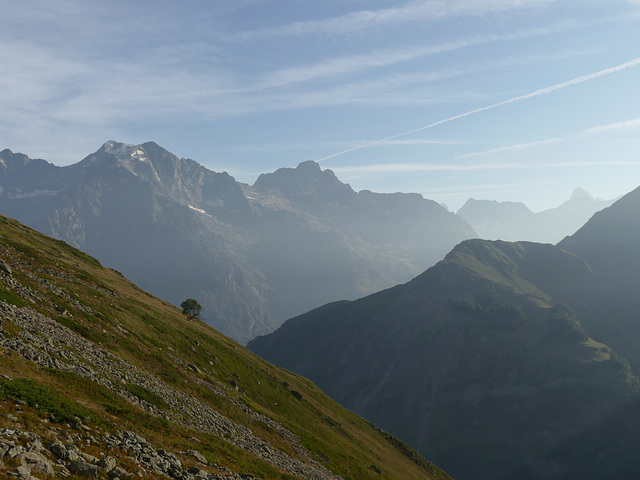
100	379
493	358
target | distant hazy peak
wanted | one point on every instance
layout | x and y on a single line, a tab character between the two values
473	207
308	172
580	194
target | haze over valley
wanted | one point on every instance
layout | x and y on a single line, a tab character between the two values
337	240
253	255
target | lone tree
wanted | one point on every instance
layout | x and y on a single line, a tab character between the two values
191	308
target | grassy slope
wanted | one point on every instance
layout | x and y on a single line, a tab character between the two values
154	336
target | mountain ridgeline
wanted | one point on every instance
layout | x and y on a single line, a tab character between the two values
514	221
506	360
252	255
99	379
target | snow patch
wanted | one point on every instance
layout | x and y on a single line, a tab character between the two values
139	155
125	151
199	210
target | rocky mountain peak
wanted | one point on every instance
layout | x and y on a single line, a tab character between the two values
309	166
307	182
125	152
148	162
580	194
10	159
21	175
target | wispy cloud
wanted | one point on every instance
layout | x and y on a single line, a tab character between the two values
612	127
290	146
396	89
351	64
449	167
510	148
412	12
536	93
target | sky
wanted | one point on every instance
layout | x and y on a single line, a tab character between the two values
518	100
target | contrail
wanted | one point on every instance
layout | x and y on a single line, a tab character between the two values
542	91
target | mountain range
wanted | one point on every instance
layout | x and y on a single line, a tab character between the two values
100	379
506	360
513	221
253	256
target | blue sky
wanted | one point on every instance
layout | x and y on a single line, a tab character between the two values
519	100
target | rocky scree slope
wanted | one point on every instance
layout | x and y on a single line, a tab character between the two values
100	378
253	255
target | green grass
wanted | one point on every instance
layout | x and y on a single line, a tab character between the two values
146	395
39	396
10	297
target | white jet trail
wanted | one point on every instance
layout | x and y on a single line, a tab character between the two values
542	91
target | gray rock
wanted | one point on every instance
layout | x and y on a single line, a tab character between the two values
23	473
118	472
198	456
36	462
83	469
15	451
107	464
88	458
35	445
57	448
4	266
4	447
194	367
62	471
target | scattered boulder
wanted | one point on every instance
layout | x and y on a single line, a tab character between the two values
107	464
36	462
198	456
118	472
193	367
4	266
58	449
83	469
